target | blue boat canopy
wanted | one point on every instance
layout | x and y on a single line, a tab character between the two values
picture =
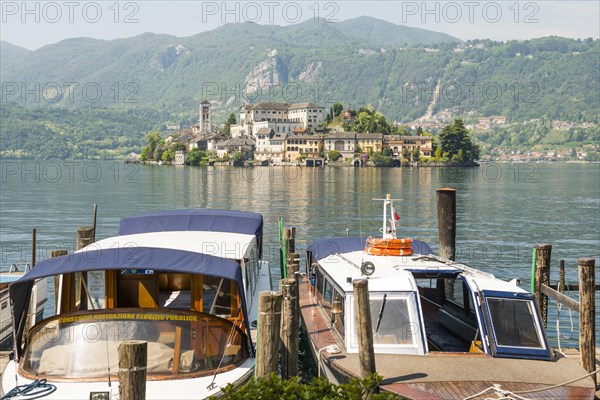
196	220
322	248
167	260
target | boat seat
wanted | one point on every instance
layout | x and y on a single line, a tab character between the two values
442	339
456	326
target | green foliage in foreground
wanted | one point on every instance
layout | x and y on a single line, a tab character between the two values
274	387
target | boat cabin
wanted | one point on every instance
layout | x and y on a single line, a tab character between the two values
422	303
184	282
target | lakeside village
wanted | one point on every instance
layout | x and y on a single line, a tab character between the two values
272	133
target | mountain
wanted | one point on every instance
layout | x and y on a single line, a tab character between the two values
382	33
406	73
9	51
176	73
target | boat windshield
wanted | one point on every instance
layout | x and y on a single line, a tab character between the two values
514	323
391	320
180	343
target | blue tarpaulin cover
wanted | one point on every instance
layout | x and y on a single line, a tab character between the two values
159	259
196	220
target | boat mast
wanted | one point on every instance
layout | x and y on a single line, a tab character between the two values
391	233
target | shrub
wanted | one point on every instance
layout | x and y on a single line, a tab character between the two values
274	387
334	155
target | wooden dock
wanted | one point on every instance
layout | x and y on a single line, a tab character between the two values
440	375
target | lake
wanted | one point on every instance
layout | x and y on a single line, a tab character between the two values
503	210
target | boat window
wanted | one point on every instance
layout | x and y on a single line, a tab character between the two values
391	321
319	285
179	343
457	294
454	292
218	296
514	323
251	272
327	297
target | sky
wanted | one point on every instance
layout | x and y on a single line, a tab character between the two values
35	24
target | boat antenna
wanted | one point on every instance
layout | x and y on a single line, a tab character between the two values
388	201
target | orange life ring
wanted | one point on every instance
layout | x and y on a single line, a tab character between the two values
381	251
404	243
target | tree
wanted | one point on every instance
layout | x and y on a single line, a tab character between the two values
333	155
144	156
168	156
194	157
230	121
388	152
406	154
153	150
416	154
337	109
238	158
454	138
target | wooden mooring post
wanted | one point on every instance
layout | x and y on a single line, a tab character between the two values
446	210
85	236
289	327
542	277
33	246
586	307
292	265
364	328
54	254
133	358
269	321
290	237
587	314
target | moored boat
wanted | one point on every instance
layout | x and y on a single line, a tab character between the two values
186	282
15	272
441	329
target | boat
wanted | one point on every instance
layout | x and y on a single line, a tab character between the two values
15	272
441	329
186	282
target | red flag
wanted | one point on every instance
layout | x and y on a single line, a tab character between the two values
396	216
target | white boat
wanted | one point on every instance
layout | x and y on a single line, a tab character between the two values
16	272
187	282
441	329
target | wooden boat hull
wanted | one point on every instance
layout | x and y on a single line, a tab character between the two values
442	375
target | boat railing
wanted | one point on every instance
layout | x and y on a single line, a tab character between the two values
19	267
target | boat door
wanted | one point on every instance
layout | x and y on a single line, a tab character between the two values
513	325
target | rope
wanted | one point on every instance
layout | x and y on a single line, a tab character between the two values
35	390
561	289
232	334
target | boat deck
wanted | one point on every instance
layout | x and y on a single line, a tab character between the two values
446	375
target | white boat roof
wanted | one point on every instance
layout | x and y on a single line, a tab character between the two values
234	246
391	272
343	266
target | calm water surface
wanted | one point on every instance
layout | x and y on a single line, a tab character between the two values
503	209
